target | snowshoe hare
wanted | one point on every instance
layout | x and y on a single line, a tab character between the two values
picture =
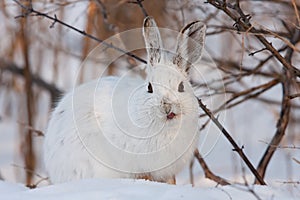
123	127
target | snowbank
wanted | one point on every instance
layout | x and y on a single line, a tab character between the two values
138	189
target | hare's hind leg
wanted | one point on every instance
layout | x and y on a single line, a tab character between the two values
172	180
147	177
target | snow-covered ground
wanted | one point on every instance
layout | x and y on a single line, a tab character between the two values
139	189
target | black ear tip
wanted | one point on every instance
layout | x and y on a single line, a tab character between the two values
194	25
149	21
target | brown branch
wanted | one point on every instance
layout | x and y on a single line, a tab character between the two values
208	173
28	150
296	11
223	28
297	161
255	52
51	88
292	96
29	11
279	57
236	148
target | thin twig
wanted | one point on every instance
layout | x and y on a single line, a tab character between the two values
282	146
26	126
258	51
34	185
140	3
28	170
291	182
246	94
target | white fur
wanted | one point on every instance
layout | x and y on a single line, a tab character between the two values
114	128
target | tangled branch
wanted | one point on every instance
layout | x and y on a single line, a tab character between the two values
242	24
30	11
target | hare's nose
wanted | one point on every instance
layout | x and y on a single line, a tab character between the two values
167	107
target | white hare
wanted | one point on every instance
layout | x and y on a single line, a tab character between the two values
121	127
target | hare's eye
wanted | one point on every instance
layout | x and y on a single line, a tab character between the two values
150	89
181	87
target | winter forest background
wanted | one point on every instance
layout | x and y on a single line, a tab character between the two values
252	89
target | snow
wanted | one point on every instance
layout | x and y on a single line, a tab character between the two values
137	189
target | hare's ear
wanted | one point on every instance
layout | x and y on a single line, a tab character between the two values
153	41
190	43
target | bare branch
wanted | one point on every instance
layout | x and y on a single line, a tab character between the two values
291	182
282	147
292	96
28	147
296	11
258	51
208	173
55	20
297	161
236	148
51	88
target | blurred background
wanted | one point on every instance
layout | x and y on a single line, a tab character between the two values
40	59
